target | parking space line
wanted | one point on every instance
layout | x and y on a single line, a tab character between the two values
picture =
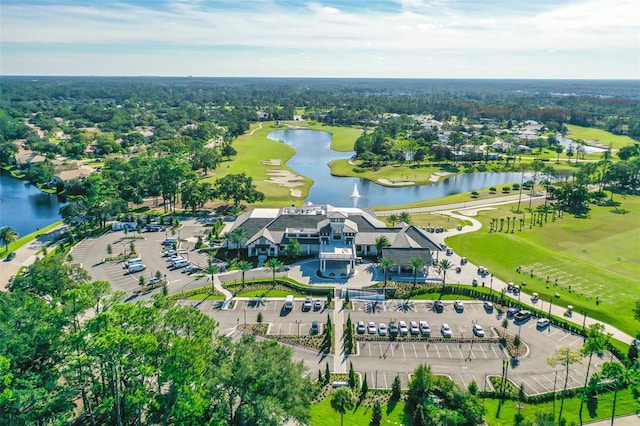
404	354
494	352
426	350
546	389
464	383
384	376
460	350
449	350
414	349
556	331
393	355
565	336
483	352
580	340
437	351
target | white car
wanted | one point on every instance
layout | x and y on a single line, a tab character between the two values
382	329
371	328
360	328
446	330
543	323
306	306
458	305
415	330
477	330
488	306
425	330
404	330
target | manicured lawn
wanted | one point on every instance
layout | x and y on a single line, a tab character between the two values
460	197
624	405
593	257
203	296
269	293
396	174
253	150
433	219
590	133
323	415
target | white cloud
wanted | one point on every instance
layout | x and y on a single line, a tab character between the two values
418	26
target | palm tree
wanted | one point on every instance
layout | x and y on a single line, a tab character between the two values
393	218
274	265
386	264
619	376
212	269
343	400
237	236
405	217
416	264
444	265
7	236
564	356
244	266
381	241
596	342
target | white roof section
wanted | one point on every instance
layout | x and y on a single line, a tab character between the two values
264	213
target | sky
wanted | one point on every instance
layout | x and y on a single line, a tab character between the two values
567	39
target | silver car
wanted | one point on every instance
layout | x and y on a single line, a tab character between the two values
446	330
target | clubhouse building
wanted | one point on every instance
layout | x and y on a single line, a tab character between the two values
338	236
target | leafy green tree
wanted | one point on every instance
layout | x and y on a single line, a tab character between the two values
396	389
405	217
244	266
380	242
195	194
376	414
237	237
393	219
293	249
343	400
40	173
237	187
7	236
564	356
205	159
595	342
352	376
386	264
274	265
364	389
419	387
445	265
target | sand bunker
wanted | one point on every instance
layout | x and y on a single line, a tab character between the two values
398	183
287	179
272	162
435	177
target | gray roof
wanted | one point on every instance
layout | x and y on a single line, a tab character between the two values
402	256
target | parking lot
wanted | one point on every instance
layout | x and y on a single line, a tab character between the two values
380	359
92	252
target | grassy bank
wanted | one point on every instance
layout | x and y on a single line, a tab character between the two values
594	257
27	239
602	136
323	415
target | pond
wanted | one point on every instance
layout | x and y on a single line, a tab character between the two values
313	153
570	142
24	207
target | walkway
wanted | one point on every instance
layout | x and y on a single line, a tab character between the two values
27	254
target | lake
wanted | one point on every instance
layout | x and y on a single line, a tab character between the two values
313	153
24	207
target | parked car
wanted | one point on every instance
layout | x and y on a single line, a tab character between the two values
477	330
132	261
458	306
306	305
404	330
155	280
177	264
317	305
521	316
511	312
543	323
10	256
169	253
191	269
425	330
382	329
413	326
360	328
371	328
488	306
136	268
315	328
393	329
446	330
438	306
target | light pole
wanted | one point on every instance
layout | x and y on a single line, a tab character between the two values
491	282
245	319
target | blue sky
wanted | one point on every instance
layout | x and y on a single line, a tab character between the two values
333	38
